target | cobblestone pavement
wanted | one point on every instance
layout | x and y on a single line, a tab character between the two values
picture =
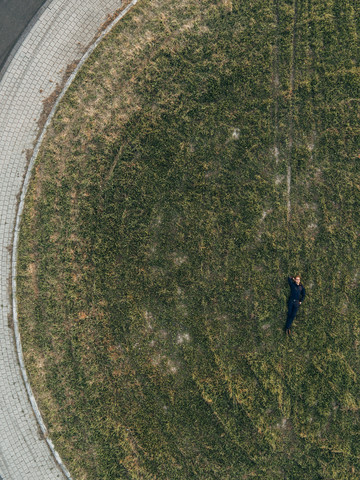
58	36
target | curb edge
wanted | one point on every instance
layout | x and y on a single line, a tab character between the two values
17	230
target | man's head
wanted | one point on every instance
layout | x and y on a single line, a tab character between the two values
297	279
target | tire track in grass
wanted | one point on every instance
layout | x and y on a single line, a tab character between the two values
280	133
284	134
276	83
291	110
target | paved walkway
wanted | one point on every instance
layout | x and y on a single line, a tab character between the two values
59	35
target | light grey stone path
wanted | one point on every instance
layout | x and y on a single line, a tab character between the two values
59	35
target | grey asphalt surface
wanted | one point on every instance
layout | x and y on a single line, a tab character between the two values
14	18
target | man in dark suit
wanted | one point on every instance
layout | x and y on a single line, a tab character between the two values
297	296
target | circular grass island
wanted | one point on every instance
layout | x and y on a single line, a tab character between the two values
204	152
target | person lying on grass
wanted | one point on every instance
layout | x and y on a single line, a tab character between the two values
297	296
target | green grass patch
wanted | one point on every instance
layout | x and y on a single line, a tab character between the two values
158	233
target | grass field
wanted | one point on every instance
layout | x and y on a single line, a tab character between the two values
206	151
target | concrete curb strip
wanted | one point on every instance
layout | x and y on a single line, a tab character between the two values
13	464
17	230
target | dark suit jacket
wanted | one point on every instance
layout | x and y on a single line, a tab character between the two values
297	291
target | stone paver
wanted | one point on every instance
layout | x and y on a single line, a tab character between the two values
60	35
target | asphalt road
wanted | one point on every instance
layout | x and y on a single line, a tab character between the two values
14	17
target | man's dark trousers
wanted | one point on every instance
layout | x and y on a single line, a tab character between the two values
292	311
